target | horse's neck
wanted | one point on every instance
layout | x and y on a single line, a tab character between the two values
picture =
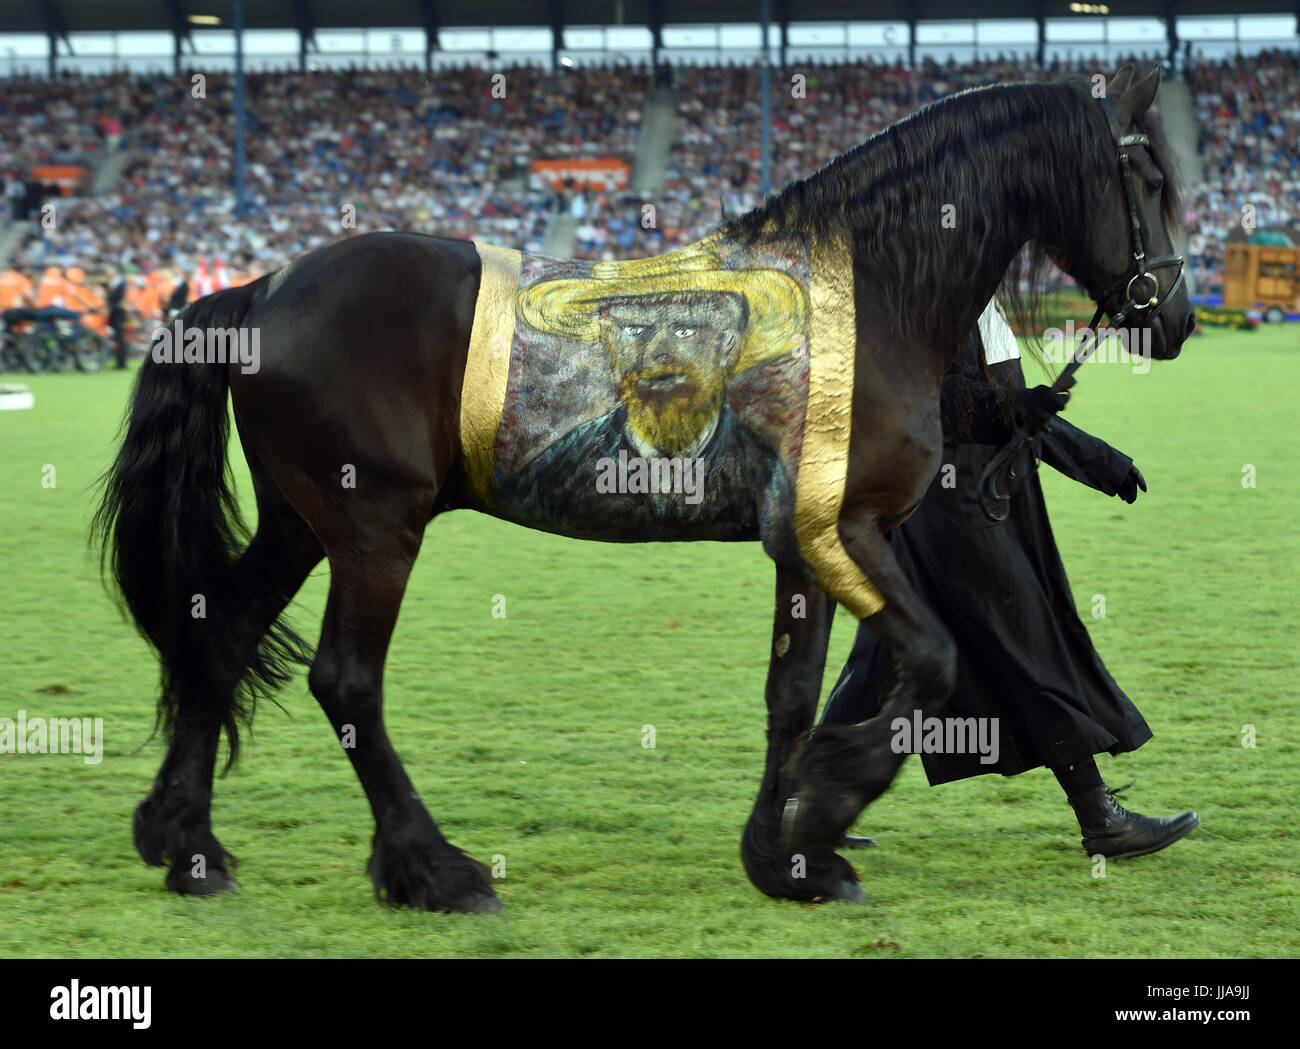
939	264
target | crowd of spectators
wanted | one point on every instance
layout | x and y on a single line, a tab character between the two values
1249	115
337	153
327	155
818	111
62	121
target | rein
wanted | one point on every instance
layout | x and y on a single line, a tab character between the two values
1006	470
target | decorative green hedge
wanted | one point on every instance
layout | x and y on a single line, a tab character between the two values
1225	318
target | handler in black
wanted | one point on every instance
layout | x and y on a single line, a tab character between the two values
1023	655
117	317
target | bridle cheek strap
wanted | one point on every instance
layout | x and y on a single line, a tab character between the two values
1143	266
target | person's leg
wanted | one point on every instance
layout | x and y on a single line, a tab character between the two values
119	342
1108	828
1078	778
857	692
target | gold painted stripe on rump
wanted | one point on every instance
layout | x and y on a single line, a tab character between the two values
487	367
823	464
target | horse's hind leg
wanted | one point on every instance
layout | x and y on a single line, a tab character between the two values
800	633
173	824
412	863
843	768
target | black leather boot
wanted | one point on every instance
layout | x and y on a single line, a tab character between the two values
1114	832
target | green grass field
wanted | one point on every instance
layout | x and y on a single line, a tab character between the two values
524	734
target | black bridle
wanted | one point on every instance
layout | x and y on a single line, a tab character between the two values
1142	265
1008	468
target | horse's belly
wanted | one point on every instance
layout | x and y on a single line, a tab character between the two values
598	489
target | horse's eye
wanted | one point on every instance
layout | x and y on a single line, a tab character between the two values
1154	188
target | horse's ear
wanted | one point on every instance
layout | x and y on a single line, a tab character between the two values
1119	82
1137	99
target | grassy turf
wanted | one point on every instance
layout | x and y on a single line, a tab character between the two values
524	734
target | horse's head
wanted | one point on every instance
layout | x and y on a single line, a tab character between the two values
1129	262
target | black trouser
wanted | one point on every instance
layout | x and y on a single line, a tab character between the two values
119	341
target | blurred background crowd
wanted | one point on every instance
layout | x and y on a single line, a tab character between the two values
333	154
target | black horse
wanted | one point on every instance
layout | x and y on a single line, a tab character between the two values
792	361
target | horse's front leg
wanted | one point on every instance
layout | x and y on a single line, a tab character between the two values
843	768
800	632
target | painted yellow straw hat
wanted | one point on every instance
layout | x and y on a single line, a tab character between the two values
777	303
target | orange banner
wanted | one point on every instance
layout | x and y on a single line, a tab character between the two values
594	173
66	176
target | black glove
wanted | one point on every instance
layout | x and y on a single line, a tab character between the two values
1128	488
1035	407
1089	460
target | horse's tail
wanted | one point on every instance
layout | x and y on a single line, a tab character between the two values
170	531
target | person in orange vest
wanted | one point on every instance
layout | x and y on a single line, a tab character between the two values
142	297
79	296
16	291
16	294
160	284
50	288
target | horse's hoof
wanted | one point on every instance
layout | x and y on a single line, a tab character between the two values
849	892
181	880
479	903
826	827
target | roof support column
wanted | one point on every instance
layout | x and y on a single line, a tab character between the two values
1040	21
55	29
655	15
1171	32
429	16
306	21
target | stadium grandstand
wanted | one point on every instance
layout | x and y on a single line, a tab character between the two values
175	144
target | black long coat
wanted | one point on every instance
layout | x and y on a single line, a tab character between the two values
1023	654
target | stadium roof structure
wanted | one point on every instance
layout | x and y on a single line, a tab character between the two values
60	17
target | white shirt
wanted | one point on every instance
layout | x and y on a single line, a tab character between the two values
995	332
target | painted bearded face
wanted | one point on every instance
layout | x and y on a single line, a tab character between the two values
671	360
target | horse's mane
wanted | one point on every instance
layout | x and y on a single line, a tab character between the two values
1051	140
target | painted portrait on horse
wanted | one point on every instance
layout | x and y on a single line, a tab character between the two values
777	382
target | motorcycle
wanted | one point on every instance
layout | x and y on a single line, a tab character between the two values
50	340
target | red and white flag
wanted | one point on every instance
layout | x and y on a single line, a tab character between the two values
202	282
